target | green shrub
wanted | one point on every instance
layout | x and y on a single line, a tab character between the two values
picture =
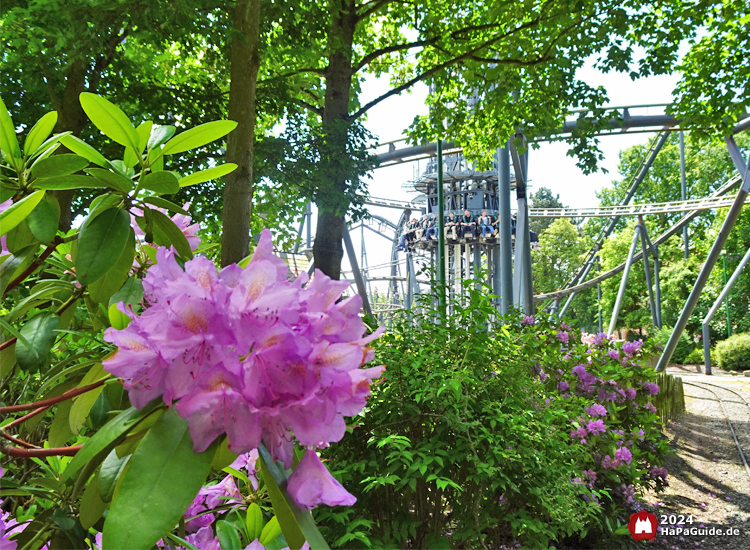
474	438
684	345
696	357
734	352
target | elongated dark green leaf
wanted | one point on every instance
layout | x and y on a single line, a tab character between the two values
161	183
296	524
92	505
210	174
102	289
112	179
39	332
144	131
159	134
254	521
171	233
166	205
8	139
131	293
19	237
80	147
17	212
163	477
229	538
103	441
110	120
109	474
200	135
13	264
43	220
58	165
39	133
100	244
69	182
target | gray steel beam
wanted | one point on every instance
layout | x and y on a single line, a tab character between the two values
683	189
669	233
359	281
715	307
647	272
713	255
624	282
504	261
630	194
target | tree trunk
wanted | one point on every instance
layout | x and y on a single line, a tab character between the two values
332	206
238	189
70	118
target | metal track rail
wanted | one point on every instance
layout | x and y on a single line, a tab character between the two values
673	230
726	415
634	209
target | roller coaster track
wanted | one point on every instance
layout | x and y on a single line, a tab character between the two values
633	209
672	230
388	203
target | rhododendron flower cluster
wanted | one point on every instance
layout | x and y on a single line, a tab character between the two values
246	352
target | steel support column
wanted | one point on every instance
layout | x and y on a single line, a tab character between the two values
504	262
647	271
734	211
683	187
624	282
358	280
441	250
724	293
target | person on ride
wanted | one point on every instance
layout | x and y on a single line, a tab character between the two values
468	223
485	223
421	227
431	229
408	234
451	227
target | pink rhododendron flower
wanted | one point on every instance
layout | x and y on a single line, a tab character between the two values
596	410
204	539
650	407
631	348
564	337
651	388
623	454
596	427
614	354
311	484
247	353
527	320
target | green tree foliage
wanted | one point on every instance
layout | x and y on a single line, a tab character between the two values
543	198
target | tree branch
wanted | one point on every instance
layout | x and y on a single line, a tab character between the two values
49	81
32	267
15	452
52	400
374	6
366	60
317	110
105	60
466	55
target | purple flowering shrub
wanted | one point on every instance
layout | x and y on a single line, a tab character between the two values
609	394
523	434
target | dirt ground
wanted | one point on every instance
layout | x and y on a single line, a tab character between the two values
708	482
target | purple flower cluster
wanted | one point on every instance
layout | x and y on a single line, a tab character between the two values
596	410
247	353
631	348
651	388
563	336
527	320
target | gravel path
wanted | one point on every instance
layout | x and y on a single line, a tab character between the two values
708	480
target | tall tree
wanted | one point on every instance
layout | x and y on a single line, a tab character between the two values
493	67
238	188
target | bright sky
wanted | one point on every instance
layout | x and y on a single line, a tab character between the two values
549	166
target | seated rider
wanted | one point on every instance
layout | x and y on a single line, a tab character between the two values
485	223
421	227
467	224
430	229
451	227
408	235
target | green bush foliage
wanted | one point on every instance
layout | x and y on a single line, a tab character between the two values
684	345
734	352
695	357
473	439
